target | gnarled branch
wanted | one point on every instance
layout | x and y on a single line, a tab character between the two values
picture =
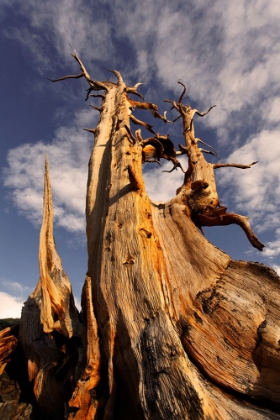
221	218
94	84
148	127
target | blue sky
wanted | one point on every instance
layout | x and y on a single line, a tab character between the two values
227	53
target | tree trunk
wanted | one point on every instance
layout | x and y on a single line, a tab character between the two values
171	327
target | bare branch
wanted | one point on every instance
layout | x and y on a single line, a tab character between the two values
66	77
208	151
163	117
149	106
202	114
135	86
94	84
228	219
177	118
183	93
183	149
117	74
136	183
84	71
142	105
176	164
98	108
233	165
138	135
139	122
131	136
174	104
133	89
90	130
206	144
97	96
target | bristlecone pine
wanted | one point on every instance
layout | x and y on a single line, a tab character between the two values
170	327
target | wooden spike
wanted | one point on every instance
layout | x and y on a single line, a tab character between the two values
90	130
98	108
53	292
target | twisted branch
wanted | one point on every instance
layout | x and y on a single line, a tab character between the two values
94	84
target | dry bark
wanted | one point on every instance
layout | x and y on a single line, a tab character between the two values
171	327
8	344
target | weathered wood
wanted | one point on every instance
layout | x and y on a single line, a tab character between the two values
171	327
150	265
199	189
51	330
83	400
8	344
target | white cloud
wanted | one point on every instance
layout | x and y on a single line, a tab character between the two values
14	288
276	268
273	110
226	53
77	303
257	190
273	247
10	306
68	156
162	186
12	297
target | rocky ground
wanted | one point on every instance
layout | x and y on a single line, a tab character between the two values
15	401
11	406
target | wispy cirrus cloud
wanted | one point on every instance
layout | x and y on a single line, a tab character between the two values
50	27
227	54
10	306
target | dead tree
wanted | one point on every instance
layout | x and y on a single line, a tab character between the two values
171	327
